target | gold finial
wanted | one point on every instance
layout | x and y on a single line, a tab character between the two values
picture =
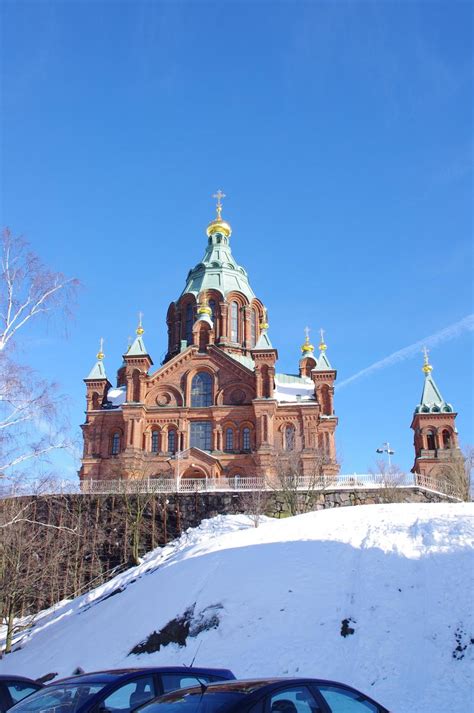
100	353
264	323
427	368
219	195
140	329
204	305
322	344
307	347
218	225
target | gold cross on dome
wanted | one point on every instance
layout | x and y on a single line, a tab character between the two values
425	354
219	196
306	331
321	332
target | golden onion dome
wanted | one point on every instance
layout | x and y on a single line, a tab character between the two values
426	368
139	330
204	306
307	347
100	353
322	345
218	225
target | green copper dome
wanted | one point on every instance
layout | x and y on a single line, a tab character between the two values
218	271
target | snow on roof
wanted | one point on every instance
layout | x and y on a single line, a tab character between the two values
245	360
292	388
116	397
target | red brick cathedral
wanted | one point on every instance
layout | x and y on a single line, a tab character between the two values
216	407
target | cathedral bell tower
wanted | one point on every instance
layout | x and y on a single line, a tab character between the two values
435	434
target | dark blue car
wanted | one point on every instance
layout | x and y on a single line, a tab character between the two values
14	688
116	691
270	695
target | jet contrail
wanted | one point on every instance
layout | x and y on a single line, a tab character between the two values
454	330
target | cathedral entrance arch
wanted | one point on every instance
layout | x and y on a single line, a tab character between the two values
194	471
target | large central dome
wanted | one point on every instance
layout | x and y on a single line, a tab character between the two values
218	269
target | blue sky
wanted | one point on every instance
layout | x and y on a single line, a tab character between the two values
342	136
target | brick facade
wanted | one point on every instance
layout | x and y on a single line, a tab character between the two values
216	406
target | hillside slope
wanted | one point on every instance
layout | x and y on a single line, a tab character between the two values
377	596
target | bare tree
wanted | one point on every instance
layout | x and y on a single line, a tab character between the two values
299	492
390	479
255	504
30	408
456	474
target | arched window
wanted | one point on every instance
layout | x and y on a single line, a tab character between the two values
201	390
246	439
253	328
234	322
115	445
430	440
188	325
229	439
172	441
155	441
446	439
289	438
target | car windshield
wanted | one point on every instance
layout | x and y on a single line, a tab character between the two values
66	698
212	701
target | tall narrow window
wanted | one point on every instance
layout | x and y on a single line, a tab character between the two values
234	322
201	433
246	439
212	307
155	440
115	447
189	324
229	439
172	441
430	440
289	438
253	329
201	390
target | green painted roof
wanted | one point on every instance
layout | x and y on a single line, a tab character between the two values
218	270
431	399
138	348
97	371
263	341
291	379
245	360
322	363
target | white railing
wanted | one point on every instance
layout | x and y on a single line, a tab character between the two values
355	481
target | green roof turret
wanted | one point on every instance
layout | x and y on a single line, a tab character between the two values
98	370
218	270
431	399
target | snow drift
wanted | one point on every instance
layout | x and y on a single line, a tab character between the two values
379	597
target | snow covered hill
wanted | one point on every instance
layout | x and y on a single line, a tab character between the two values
376	596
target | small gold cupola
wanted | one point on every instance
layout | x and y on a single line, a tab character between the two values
322	344
307	347
100	353
218	225
204	306
427	368
139	330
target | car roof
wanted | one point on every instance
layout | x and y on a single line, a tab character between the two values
124	673
253	684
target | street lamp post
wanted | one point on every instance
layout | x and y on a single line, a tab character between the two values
385	448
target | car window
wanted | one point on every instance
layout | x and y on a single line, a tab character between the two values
174	681
20	689
341	700
130	695
211	702
66	698
297	699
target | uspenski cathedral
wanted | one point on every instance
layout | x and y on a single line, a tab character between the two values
217	406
